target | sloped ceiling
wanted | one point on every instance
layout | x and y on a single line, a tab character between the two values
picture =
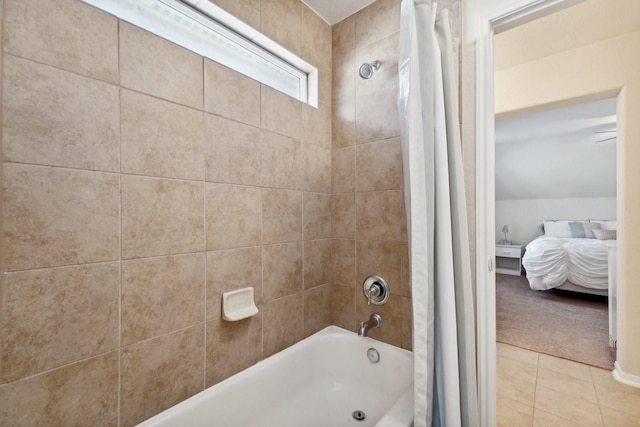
556	154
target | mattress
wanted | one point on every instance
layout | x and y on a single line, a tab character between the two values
551	261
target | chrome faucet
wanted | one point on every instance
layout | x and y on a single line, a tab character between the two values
375	321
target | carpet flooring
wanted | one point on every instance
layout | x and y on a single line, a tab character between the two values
559	323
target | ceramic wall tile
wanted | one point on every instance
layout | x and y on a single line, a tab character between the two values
39	31
72	395
386	51
344	262
46	312
325	73
343	305
280	113
317	263
343	37
150	64
281	21
382	258
343	57
161	295
285	319
160	138
57	118
316	125
379	215
376	22
161	216
282	161
317	309
229	270
158	373
232	347
281	271
343	123
316	33
281	215
234	216
343	170
379	165
248	11
317	169
56	216
377	115
231	94
316	216
343	216
232	151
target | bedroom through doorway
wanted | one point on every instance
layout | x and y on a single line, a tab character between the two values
555	191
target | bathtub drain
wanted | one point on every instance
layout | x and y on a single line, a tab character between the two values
358	415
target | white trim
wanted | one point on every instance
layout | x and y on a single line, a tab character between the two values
621	376
208	30
485	238
508	15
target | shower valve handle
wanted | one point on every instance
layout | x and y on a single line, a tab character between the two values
374	291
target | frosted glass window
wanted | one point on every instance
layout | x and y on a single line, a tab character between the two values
206	29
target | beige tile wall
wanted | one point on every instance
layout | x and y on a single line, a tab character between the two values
140	182
368	217
133	198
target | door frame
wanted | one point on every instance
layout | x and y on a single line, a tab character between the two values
505	14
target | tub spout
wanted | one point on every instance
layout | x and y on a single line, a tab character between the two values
375	321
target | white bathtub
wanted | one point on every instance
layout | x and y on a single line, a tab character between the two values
318	382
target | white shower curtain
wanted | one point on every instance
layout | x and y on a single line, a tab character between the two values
443	313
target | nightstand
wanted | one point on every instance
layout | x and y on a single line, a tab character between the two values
509	259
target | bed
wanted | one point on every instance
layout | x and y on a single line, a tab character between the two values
571	255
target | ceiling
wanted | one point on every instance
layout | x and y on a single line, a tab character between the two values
555	153
334	11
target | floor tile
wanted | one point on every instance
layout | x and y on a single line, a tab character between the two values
614	397
568	385
526	371
569	367
515	388
513	414
559	403
613	418
517	353
545	419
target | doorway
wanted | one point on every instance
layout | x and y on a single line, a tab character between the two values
483	22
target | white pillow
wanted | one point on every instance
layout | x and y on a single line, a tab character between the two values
609	224
605	234
557	228
588	229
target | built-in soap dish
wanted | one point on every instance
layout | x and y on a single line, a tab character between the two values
238	305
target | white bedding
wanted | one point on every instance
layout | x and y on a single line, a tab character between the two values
550	261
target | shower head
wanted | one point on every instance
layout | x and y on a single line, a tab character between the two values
367	70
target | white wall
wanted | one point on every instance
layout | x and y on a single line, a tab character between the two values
525	216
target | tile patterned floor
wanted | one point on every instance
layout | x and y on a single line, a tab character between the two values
537	390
